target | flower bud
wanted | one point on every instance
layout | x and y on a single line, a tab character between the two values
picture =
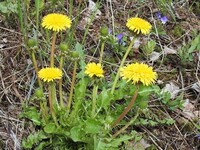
109	119
32	42
143	104
63	46
104	31
39	93
74	54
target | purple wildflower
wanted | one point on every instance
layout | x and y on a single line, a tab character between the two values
109	31
163	19
198	136
119	38
158	15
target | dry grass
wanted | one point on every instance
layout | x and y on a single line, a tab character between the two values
17	75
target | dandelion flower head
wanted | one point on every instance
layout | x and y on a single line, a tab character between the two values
138	25
93	69
56	22
50	74
139	72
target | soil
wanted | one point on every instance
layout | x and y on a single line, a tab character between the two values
18	78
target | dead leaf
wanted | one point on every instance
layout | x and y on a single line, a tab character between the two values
172	89
196	87
154	56
189	110
168	50
136	44
92	8
2	46
5	40
188	106
141	145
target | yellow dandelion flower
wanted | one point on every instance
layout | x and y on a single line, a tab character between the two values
93	69
56	22
50	74
138	25
139	72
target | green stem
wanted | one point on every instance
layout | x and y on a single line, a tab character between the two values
42	105
92	17
72	86
82	85
63	3
70	8
47	37
95	141
53	50
22	19
45	107
37	18
101	53
126	110
94	97
60	84
55	102
36	69
127	125
121	65
52	102
75	22
52	89
43	110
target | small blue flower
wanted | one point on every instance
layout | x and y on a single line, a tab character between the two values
119	38
163	19
198	136
158	15
109	31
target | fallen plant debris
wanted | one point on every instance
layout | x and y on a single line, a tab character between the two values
99	75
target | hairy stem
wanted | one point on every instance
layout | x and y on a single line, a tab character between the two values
51	102
42	104
36	69
121	65
72	86
126	126
53	50
43	110
101	53
60	84
126	110
37	3
94	97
